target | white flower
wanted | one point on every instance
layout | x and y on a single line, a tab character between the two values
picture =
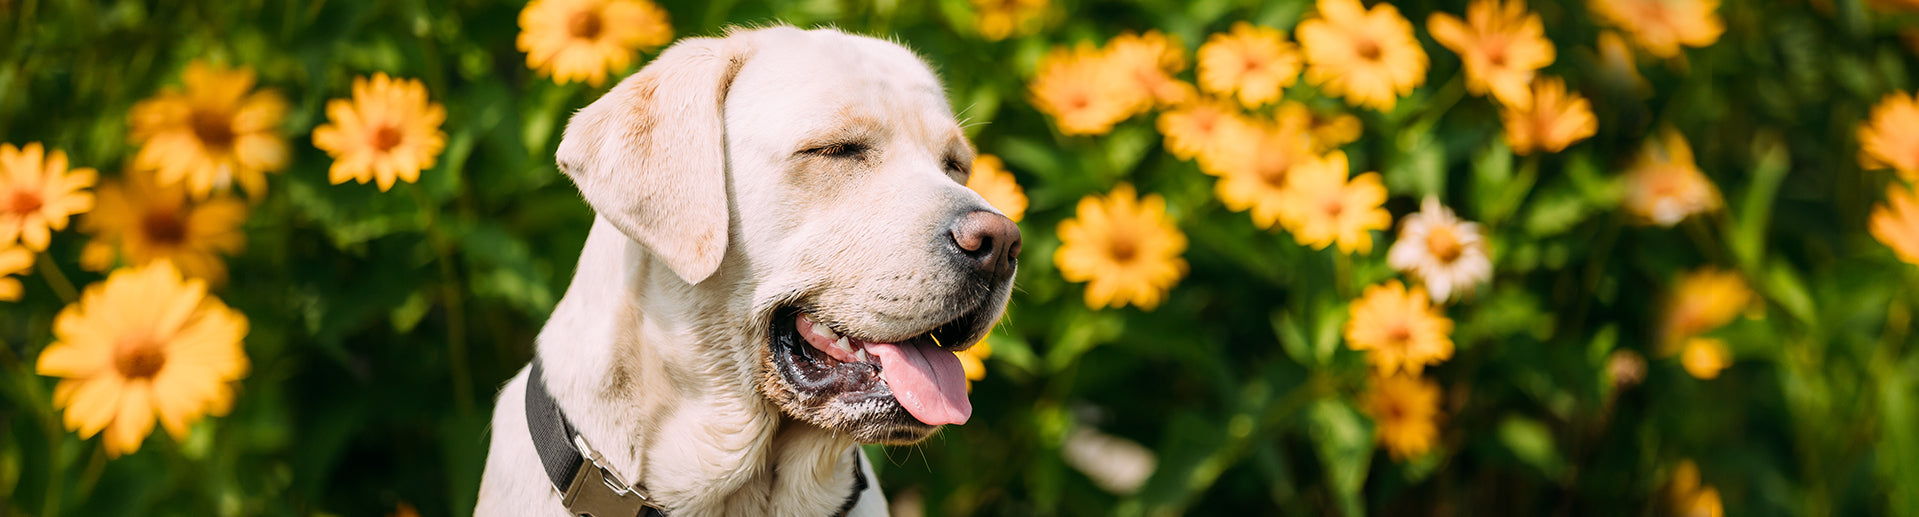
1445	253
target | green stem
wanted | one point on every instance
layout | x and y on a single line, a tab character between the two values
57	280
456	348
1342	274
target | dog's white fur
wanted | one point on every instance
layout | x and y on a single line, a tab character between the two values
707	218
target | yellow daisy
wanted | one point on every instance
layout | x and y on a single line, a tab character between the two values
1368	57
973	361
1255	63
1896	223
1329	131
584	40
994	183
1075	87
388	132
1703	358
1405	411
1448	255
1554	119
1000	19
1618	64
14	260
1321	207
140	222
1689	497
1125	248
144	344
1148	61
1399	330
1890	139
217	132
38	194
1661	26
1665	186
1703	300
1208	130
1501	46
1257	181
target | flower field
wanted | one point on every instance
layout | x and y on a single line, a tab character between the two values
1303	257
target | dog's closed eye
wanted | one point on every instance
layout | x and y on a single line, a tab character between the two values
845	150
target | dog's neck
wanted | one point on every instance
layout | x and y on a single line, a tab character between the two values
682	420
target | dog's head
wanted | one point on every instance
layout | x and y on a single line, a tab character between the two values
814	183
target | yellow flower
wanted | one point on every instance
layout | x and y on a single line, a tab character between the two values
1705	357
1501	46
388	132
973	361
1147	62
1125	248
1661	26
216	133
1328	131
1890	139
1555	119
1690	498
1321	207
1254	62
994	183
1448	255
1398	329
1405	410
1368	57
1618	64
1208	130
14	260
1000	19
1665	187
141	222
1257	180
1703	300
1080	92
38	194
1896	223
584	40
144	343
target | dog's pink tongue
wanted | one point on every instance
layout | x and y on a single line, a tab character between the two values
927	380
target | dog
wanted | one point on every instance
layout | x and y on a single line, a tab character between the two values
783	260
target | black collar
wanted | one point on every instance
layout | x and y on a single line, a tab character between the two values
587	487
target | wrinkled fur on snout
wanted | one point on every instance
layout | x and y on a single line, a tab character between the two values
711	216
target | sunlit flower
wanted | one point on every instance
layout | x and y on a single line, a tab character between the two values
1000	19
1703	300
139	222
1113	463
1399	330
14	260
144	344
1368	57
584	40
1705	357
1689	497
1626	367
993	182
1256	181
1665	187
1896	223
1890	139
1555	119
1329	131
1208	130
38	194
973	361
387	132
1501	46
1618	64
1080	92
1320	207
1254	63
1448	255
1125	248
1148	61
1405	412
1661	26
217	132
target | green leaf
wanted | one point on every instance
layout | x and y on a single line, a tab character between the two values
1532	442
1344	441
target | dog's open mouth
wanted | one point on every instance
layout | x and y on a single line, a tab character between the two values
921	373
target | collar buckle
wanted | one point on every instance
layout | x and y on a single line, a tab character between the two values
597	492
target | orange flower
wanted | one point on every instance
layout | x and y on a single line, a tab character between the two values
1148	61
1254	62
1080	92
1368	57
994	183
1501	46
1398	329
1896	223
38	194
1406	411
1666	186
217	132
1661	26
1555	119
1321	207
1890	139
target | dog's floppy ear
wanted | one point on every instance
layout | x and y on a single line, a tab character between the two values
650	155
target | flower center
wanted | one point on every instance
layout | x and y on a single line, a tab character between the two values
163	227
1367	49
214	129
584	25
1123	247
1253	65
1333	207
1443	244
1272	169
1400	335
24	201
386	138
138	357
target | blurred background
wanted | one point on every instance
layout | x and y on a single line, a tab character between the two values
1633	257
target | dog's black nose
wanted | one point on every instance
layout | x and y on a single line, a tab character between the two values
987	241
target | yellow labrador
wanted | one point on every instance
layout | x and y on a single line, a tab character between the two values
784	261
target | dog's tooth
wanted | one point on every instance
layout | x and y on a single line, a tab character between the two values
826	331
864	358
843	346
